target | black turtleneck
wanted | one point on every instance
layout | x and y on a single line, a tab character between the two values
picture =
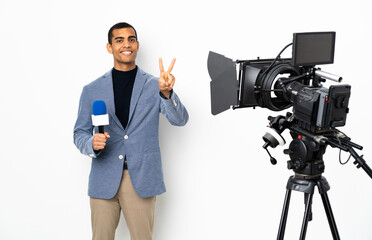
123	85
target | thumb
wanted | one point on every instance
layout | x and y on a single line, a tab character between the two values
107	134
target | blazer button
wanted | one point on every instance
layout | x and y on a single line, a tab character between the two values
126	137
121	157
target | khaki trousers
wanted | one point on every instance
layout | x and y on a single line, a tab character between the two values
138	213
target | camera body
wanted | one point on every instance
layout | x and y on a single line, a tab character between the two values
316	108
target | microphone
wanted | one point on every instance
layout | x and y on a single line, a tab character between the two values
99	116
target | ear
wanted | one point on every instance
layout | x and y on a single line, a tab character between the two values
109	47
138	45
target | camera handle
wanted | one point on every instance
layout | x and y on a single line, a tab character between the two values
348	146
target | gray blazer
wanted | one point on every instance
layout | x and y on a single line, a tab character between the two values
139	141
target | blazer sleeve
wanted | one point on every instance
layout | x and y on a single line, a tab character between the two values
83	130
174	110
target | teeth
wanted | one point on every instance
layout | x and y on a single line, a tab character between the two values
126	53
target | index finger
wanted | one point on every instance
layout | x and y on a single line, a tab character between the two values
171	65
161	67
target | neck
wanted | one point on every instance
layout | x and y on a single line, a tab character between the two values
126	72
124	67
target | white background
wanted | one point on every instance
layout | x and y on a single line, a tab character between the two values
220	183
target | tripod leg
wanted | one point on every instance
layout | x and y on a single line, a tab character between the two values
283	219
310	210
309	199
331	218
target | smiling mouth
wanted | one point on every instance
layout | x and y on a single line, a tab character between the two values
126	53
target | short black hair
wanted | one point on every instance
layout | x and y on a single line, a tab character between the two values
119	26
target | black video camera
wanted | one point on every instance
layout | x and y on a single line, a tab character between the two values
278	84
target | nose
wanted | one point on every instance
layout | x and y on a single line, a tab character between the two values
126	43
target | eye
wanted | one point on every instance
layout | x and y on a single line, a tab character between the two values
119	41
132	40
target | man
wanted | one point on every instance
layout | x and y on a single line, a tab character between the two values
126	173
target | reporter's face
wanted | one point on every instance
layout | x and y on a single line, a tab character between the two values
124	48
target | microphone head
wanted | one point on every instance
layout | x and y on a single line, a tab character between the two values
99	108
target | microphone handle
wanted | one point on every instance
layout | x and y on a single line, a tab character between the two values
101	129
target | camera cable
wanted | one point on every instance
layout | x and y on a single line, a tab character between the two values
339	141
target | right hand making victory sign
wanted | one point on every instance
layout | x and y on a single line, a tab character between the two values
166	79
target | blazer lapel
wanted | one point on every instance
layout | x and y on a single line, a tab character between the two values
109	91
139	82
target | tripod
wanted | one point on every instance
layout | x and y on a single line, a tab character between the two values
308	165
307	185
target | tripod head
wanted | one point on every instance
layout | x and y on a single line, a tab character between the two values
307	148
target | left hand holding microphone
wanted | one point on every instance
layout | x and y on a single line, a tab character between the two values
166	79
